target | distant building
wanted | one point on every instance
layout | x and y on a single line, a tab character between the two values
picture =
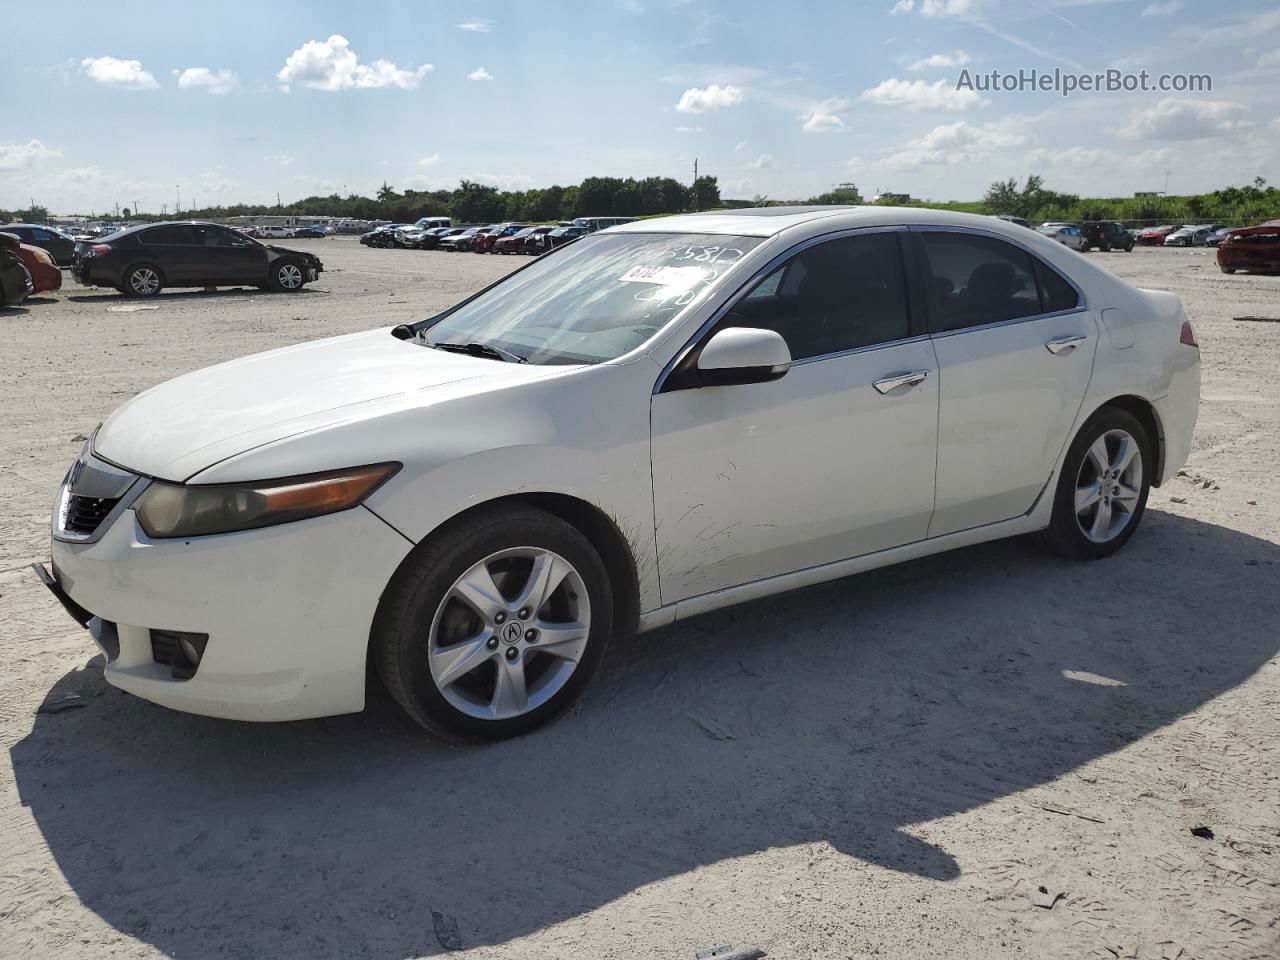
892	198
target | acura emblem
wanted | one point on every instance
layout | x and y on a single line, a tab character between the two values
512	631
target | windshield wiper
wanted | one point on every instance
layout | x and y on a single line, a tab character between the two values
481	350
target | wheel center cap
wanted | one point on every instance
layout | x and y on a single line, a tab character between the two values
512	631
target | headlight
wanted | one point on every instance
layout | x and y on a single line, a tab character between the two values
43	257
176	510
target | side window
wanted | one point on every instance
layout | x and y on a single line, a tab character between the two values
177	235
217	237
978	280
1055	293
835	296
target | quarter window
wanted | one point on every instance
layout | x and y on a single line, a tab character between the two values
835	296
1055	293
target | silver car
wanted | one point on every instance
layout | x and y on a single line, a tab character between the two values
1067	234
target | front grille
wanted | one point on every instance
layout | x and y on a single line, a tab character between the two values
163	647
85	514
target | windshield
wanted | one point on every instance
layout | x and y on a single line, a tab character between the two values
594	300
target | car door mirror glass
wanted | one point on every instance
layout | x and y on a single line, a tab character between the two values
743	355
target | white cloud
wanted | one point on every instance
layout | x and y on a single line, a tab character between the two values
430	161
506	181
762	162
332	65
918	95
283	159
903	6
740	145
689	130
950	8
824	116
221	81
957	58
479	73
713	97
734	186
476	26
113	72
954	143
17	156
1175	119
1164	9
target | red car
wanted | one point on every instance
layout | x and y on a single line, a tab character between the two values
1154	236
1251	248
45	274
483	242
513	242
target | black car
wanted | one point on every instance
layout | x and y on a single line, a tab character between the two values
309	233
431	238
15	280
556	238
59	244
1106	236
140	261
384	236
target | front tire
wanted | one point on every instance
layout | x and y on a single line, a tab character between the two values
495	625
288	275
1102	491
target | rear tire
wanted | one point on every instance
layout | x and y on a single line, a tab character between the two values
142	280
423	617
1102	491
1227	269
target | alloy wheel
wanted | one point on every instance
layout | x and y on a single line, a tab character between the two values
144	281
1108	486
509	633
290	276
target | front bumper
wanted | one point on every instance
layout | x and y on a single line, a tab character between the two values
287	610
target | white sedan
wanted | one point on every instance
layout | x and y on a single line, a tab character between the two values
1067	234
656	421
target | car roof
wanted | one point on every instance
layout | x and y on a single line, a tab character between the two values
770	221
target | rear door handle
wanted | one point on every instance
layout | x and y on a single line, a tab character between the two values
901	380
1060	345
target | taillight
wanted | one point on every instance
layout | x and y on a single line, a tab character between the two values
1188	336
100	249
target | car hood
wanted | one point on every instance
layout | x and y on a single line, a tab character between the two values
181	427
278	250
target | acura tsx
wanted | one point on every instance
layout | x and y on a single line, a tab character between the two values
649	423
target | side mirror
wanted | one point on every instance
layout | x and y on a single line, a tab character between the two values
743	355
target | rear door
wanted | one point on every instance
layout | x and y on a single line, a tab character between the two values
178	251
231	257
1015	343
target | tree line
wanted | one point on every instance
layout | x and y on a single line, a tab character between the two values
1252	203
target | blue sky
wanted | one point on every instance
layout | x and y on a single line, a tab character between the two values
119	102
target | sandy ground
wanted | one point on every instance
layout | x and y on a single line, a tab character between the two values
989	754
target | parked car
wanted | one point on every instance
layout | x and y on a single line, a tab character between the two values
310	233
1106	235
513	242
1154	236
592	224
275	232
556	237
1190	236
60	244
483	241
15	279
1018	220
461	242
141	261
1254	249
431	223
384	236
45	274
431	238
372	475
1217	236
1067	234
536	239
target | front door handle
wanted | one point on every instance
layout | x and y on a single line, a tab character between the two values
1060	345
901	380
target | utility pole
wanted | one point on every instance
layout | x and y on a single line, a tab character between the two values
1166	183
178	207
695	183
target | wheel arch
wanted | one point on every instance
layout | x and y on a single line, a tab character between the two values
602	531
1146	414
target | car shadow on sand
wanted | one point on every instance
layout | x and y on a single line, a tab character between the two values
220	292
846	713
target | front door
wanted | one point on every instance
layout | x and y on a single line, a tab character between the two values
1015	348
231	257
834	460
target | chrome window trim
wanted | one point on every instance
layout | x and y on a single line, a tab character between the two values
1082	305
747	285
